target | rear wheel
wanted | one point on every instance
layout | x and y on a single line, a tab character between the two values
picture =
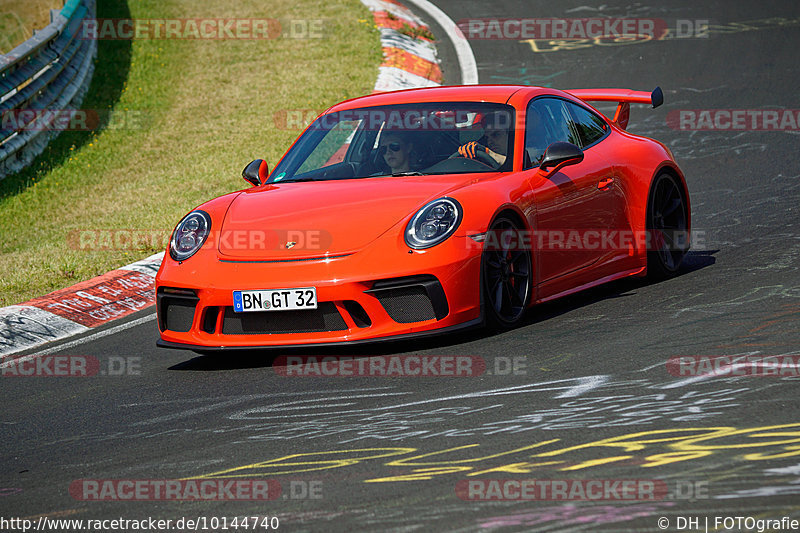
667	227
507	274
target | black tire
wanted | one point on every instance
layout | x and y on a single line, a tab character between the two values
667	227
506	275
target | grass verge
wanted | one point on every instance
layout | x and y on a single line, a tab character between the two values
186	116
18	19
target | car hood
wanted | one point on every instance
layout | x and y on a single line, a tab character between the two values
321	218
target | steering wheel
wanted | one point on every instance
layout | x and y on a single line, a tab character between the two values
481	157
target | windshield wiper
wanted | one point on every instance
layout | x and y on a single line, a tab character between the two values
411	173
297	180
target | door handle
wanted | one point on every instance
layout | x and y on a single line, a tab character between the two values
605	183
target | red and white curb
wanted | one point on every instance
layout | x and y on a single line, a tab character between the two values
409	58
76	309
410	61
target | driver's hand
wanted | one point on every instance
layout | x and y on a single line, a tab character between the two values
468	150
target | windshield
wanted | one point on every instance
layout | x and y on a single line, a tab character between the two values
402	140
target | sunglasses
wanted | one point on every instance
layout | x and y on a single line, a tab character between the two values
394	147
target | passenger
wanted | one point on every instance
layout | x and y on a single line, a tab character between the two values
396	150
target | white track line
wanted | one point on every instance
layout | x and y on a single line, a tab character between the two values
100	334
93	336
466	59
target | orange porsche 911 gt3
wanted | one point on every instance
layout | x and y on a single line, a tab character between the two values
424	211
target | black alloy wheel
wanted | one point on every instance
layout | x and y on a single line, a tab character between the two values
507	274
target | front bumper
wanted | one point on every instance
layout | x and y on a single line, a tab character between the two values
384	293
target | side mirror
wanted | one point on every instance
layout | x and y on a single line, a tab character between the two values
256	172
559	155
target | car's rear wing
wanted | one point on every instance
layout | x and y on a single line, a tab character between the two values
624	98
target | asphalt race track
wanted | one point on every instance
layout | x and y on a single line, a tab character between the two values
581	392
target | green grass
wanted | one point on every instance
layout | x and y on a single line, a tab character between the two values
18	19
207	108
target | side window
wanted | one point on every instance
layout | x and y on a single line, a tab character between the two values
590	127
547	121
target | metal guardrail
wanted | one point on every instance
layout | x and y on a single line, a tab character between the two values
49	71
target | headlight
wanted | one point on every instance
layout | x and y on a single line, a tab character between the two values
433	223
190	235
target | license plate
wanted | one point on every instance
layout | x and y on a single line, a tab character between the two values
275	299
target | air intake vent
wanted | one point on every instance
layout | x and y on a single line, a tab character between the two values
407	304
325	318
411	299
175	309
210	320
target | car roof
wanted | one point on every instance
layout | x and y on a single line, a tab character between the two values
457	93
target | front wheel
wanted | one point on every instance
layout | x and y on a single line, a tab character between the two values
667	227
506	275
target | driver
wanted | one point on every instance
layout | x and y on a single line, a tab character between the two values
494	141
396	151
